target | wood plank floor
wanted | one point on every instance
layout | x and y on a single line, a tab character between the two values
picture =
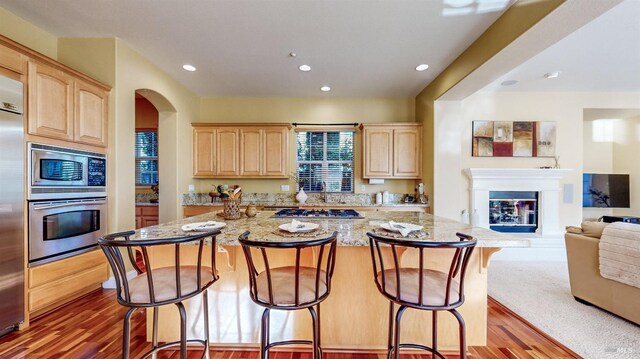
91	327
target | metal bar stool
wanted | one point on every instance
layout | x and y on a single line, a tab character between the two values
290	287
154	287
420	288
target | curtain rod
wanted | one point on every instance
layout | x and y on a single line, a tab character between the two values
296	124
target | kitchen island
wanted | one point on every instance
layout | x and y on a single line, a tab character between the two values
355	315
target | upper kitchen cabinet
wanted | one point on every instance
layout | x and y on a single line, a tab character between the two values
50	102
240	151
90	114
227	152
64	106
392	151
204	159
13	60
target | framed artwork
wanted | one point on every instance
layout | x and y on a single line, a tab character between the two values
514	139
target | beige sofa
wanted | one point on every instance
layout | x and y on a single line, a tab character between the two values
587	285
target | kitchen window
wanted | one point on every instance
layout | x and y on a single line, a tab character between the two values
146	158
325	157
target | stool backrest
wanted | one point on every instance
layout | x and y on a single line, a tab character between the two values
385	265
323	265
112	244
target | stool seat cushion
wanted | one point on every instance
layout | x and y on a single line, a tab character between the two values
434	286
164	283
283	285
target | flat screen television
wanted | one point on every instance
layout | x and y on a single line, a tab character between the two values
605	190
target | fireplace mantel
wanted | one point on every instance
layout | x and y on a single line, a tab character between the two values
544	181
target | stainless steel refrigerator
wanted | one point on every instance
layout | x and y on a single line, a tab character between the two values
11	204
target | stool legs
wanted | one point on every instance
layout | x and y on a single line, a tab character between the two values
463	339
396	340
126	336
205	308
266	345
319	334
314	342
434	333
183	330
264	334
154	334
390	339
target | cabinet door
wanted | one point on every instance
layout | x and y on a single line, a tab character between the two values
90	114
204	159
13	60
407	143
227	156
251	152
50	102
276	152
378	152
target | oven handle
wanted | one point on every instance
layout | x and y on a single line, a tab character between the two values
68	204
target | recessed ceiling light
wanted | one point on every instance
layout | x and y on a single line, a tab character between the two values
552	75
305	68
292	54
509	82
325	88
422	67
189	67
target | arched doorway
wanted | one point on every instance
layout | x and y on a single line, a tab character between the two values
156	177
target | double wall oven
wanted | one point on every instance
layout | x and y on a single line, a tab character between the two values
67	201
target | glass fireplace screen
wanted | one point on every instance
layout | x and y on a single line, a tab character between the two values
513	211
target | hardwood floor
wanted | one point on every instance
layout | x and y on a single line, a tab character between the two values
91	327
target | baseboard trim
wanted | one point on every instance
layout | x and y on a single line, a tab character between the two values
533	327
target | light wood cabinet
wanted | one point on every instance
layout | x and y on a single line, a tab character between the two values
90	114
54	284
276	152
251	151
50	102
146	216
240	151
13	60
392	151
204	159
65	107
227	152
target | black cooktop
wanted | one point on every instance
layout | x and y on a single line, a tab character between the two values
317	213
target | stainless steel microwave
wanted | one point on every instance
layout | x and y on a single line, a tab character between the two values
60	172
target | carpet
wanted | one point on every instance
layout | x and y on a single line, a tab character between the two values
540	293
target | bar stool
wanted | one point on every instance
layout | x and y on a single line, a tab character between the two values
155	287
420	288
290	287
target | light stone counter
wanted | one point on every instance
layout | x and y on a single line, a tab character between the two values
351	232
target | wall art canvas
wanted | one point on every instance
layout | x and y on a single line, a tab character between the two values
483	138
514	139
546	138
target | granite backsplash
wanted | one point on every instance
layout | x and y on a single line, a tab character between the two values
354	199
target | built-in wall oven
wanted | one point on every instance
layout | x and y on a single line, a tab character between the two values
67	201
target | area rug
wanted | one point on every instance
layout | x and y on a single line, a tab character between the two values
540	293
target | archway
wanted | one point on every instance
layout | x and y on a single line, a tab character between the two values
167	160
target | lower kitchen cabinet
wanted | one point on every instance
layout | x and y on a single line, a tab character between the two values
54	284
146	216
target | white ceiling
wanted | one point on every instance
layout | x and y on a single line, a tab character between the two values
241	47
603	55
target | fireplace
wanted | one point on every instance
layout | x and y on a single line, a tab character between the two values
500	195
513	211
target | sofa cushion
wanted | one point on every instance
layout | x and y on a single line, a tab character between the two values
574	230
593	229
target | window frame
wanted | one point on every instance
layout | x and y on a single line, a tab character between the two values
146	158
325	163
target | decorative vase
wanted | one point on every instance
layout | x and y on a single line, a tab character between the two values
231	208
251	210
301	197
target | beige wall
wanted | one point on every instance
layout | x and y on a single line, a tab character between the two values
626	148
177	108
28	34
307	110
453	123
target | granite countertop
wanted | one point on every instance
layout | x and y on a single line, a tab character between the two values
147	204
316	204
351	232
